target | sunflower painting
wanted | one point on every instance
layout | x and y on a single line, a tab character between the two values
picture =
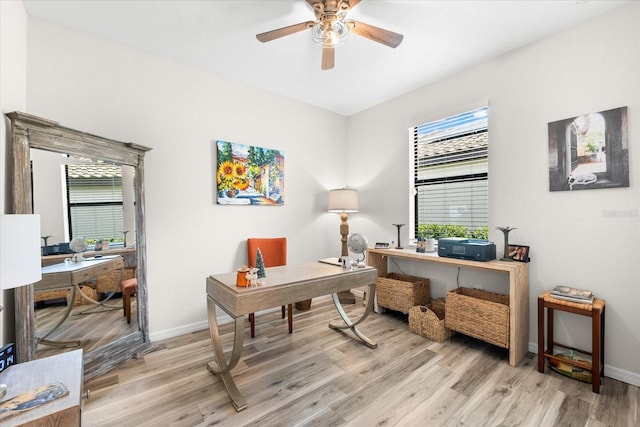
248	175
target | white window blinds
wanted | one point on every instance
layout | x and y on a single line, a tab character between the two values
450	165
95	201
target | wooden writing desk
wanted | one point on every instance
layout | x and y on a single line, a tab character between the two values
69	275
284	285
518	274
24	377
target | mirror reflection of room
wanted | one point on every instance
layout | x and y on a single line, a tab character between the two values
93	202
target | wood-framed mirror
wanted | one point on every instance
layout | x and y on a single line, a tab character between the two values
30	132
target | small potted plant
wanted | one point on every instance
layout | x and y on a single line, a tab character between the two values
426	242
102	244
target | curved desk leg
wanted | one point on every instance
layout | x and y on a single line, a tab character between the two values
352	325
220	366
43	339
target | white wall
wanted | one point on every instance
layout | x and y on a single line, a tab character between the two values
13	86
574	241
49	200
110	90
104	88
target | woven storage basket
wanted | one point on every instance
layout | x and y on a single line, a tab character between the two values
303	305
110	282
88	291
400	292
437	305
429	321
479	314
49	295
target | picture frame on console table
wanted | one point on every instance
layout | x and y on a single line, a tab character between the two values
519	253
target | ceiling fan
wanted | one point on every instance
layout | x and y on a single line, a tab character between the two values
331	28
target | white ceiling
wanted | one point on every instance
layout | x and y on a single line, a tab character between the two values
440	38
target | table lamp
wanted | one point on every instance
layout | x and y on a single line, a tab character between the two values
20	263
343	201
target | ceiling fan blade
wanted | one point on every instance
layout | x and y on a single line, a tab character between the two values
353	3
328	58
380	35
284	31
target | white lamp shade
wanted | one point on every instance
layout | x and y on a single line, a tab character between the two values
343	200
20	262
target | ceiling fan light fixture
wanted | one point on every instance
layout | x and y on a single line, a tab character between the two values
331	28
330	34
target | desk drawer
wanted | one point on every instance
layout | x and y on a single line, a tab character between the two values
104	268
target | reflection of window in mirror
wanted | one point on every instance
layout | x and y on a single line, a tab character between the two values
83	198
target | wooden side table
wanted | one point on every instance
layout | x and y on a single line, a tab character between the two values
596	311
27	376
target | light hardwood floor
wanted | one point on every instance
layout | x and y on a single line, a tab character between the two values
318	376
95	329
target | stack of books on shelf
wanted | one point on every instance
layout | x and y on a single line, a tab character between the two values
581	296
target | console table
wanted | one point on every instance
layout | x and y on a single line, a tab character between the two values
284	285
25	377
128	254
69	275
518	274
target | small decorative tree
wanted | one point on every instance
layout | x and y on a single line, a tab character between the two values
260	265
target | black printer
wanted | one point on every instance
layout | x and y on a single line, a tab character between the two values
471	249
59	249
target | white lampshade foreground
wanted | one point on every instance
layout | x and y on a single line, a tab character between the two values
343	200
20	262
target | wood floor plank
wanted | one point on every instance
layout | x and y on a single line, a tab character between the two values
319	377
94	329
402	398
437	410
615	406
535	392
498	384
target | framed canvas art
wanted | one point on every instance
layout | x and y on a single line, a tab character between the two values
589	151
248	175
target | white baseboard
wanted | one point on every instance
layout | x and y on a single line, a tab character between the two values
194	327
623	375
174	332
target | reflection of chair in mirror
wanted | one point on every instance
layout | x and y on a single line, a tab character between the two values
128	288
274	253
109	283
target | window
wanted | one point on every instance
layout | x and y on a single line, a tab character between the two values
449	164
95	201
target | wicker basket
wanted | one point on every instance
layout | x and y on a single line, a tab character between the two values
88	291
303	305
110	282
429	321
401	292
50	295
479	314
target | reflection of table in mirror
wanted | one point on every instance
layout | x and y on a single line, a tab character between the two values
69	275
128	253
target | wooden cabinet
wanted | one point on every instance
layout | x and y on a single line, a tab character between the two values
518	279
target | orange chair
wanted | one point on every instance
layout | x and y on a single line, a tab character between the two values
274	253
128	288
